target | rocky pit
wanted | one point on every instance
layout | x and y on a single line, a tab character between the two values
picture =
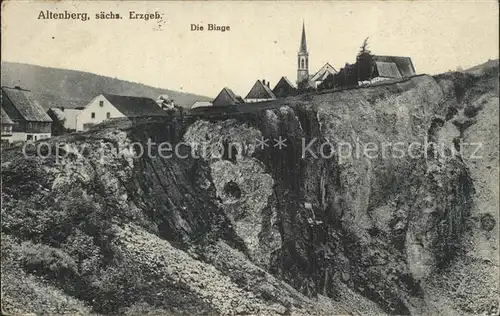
266	231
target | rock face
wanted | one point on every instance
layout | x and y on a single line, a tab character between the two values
371	204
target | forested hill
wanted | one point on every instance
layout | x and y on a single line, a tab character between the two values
70	88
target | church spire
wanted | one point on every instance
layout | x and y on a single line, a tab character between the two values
303	59
303	44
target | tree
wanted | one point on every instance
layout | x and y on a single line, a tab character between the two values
363	50
339	79
364	62
351	75
303	86
328	83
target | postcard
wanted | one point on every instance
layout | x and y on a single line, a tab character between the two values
250	158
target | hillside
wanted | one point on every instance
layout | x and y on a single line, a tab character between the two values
70	88
480	69
270	230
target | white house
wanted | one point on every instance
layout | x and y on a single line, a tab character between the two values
67	116
107	106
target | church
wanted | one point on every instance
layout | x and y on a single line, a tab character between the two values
304	79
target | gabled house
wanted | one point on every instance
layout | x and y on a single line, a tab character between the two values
30	122
260	92
284	88
227	98
321	75
108	106
391	67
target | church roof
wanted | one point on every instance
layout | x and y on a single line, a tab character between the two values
260	91
303	44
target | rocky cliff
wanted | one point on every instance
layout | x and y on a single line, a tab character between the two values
379	200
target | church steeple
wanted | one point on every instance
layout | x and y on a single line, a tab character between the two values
303	43
303	59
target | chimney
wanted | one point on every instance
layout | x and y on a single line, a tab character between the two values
264	81
268	84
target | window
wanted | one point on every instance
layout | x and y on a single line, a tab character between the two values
29	137
35	137
92	115
108	115
101	103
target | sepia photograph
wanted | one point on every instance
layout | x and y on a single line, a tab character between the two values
311	158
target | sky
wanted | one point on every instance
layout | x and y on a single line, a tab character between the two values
262	43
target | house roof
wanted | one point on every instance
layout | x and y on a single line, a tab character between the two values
387	69
199	104
231	93
283	81
227	97
323	72
5	118
288	81
47	101
132	106
260	91
404	64
26	105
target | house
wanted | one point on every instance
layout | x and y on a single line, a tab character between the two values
7	125
284	88
391	67
200	104
227	98
30	122
66	116
107	106
260	92
321	75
